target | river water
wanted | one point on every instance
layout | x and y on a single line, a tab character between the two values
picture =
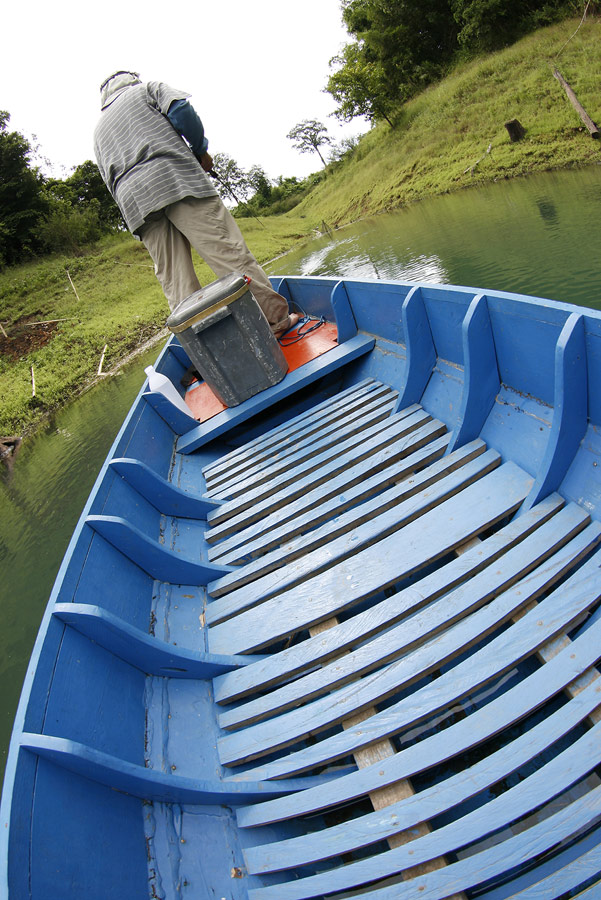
537	236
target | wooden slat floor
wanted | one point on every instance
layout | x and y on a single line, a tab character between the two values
424	638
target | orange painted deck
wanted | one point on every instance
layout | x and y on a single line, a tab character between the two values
204	404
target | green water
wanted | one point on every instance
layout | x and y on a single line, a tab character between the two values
538	236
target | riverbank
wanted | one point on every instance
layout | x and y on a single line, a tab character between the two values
69	320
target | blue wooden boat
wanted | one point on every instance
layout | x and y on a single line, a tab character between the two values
340	640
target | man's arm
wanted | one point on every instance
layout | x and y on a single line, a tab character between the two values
186	122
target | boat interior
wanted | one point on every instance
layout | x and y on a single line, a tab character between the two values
340	640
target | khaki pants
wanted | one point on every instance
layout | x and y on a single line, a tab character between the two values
206	225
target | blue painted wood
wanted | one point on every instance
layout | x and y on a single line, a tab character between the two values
256	502
542	786
569	409
421	355
481	382
455	605
575	866
176	350
285	432
164	496
355	530
346	634
145	652
337	512
554	614
156	559
409	429
308	428
78	688
177	420
482	724
488	864
281	286
388	561
148	784
428	651
294	381
355	485
289	461
343	313
311	429
428	803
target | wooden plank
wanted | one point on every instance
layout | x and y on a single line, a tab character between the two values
349	464
385	563
482	724
305	448
293	382
430	655
401	638
556	612
372	827
508	856
311	426
285	430
324	465
358	529
577	869
339	519
543	785
309	653
355	485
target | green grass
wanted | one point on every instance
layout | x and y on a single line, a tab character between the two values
439	144
441	137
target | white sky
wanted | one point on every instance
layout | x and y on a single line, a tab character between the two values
254	68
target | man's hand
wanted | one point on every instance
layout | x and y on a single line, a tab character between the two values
206	161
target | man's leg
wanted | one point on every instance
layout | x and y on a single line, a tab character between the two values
215	236
170	252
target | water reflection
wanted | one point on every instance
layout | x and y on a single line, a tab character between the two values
41	502
535	236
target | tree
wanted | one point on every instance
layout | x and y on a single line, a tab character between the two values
359	86
308	136
260	185
486	25
22	200
231	182
86	185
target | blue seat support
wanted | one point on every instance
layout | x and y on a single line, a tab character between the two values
164	495
148	784
343	314
145	652
481	383
569	409
157	560
421	354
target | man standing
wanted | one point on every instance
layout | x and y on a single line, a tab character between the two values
160	184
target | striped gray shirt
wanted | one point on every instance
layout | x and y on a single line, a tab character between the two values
143	161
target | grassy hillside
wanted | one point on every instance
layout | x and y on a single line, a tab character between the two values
450	137
453	134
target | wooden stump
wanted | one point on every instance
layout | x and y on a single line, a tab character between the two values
515	130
